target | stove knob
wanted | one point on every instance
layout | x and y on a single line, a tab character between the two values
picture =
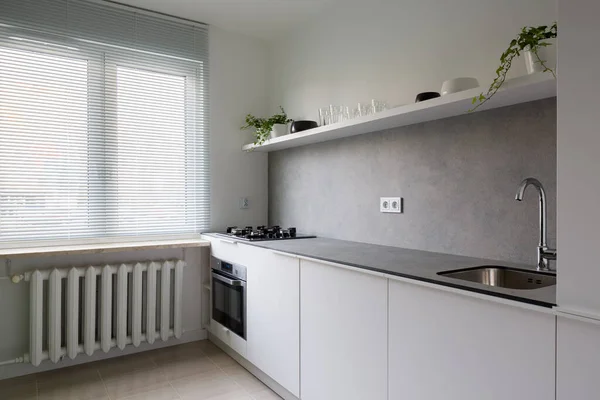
231	228
292	232
285	234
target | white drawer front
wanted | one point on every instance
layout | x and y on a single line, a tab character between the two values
226	250
229	338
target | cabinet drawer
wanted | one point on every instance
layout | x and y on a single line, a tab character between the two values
229	338
227	250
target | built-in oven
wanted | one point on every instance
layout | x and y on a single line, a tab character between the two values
229	295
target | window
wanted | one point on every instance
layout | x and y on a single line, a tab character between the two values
150	194
43	159
98	140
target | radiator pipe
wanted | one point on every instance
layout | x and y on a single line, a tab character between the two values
17	278
18	360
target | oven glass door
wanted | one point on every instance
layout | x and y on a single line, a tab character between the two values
228	299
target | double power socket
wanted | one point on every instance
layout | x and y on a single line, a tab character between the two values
391	205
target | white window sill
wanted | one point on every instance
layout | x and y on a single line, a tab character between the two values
95	248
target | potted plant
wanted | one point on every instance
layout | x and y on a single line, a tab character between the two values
531	42
267	127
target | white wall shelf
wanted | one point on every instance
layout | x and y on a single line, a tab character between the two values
514	91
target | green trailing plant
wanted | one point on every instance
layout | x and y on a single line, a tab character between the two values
532	39
264	126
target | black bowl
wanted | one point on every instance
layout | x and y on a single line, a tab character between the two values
299	126
426	96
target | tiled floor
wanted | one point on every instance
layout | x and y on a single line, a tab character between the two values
194	371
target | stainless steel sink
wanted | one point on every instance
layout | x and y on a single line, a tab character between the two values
504	277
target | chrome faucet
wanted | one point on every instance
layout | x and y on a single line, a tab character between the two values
544	253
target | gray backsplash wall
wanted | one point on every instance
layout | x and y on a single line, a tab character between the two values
458	178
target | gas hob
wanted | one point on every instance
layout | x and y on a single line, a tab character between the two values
263	233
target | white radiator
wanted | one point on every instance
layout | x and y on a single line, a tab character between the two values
82	310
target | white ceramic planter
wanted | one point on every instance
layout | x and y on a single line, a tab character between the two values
279	130
547	54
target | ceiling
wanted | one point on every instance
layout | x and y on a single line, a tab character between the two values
266	19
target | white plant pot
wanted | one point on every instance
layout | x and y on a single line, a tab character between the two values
279	130
547	54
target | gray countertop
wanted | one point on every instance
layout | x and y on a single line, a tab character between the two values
413	264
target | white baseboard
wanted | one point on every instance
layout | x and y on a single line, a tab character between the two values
14	370
264	378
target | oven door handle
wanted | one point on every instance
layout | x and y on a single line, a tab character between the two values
227	280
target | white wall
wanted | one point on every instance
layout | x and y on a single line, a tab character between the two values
578	157
238	82
238	76
392	50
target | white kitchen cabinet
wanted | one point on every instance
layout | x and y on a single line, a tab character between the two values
273	315
450	346
577	359
343	335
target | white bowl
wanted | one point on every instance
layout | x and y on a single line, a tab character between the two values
458	85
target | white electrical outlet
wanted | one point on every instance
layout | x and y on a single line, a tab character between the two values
244	203
384	204
396	205
391	205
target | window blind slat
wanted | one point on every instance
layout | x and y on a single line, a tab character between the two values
103	126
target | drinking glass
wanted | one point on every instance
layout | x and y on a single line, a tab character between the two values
364	109
378	106
324	116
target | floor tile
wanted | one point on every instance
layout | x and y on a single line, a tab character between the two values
165	392
177	354
209	348
114	367
208	388
250	383
19	391
222	360
235	370
135	383
231	396
90	390
77	373
18	381
20	388
182	368
244	378
266	395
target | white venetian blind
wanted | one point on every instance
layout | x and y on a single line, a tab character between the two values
103	123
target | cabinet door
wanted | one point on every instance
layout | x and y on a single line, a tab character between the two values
274	315
343	333
578	359
449	346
